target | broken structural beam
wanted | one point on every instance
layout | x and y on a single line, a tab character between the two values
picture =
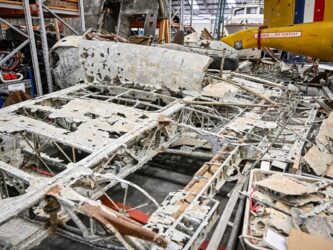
122	224
242	86
227	104
260	80
200	155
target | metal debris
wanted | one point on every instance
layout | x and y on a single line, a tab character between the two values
78	144
290	202
282	185
319	161
162	67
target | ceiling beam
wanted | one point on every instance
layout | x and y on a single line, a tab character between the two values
206	6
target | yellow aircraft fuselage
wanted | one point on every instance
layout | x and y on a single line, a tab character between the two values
313	39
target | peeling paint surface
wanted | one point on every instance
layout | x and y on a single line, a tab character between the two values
152	66
63	152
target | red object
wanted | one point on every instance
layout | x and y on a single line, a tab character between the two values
136	215
253	207
205	244
39	171
259	36
6	76
9	76
319	11
13	76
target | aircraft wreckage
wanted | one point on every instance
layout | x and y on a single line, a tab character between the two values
66	157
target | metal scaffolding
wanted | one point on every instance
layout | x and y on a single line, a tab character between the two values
219	21
25	6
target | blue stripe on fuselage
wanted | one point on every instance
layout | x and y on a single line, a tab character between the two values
299	11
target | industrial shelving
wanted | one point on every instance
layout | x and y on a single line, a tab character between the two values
37	11
15	5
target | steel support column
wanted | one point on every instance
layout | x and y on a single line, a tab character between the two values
60	19
181	26
33	49
45	46
191	19
82	17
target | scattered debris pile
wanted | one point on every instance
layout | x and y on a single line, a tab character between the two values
280	202
79	144
92	34
320	156
270	69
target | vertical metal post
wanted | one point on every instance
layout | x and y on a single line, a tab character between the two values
33	49
217	20
181	27
82	18
1	32
222	64
218	31
191	20
45	46
222	17
120	17
170	18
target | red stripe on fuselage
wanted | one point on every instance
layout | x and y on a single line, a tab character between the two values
319	11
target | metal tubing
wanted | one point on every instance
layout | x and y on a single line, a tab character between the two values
33	49
13	52
191	19
222	21
181	27
77	221
162	9
82	16
176	13
13	27
170	18
228	104
60	19
199	155
237	224
224	219
45	47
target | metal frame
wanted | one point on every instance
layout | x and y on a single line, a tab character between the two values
157	121
219	21
67	166
30	40
25	6
45	47
82	17
182	6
